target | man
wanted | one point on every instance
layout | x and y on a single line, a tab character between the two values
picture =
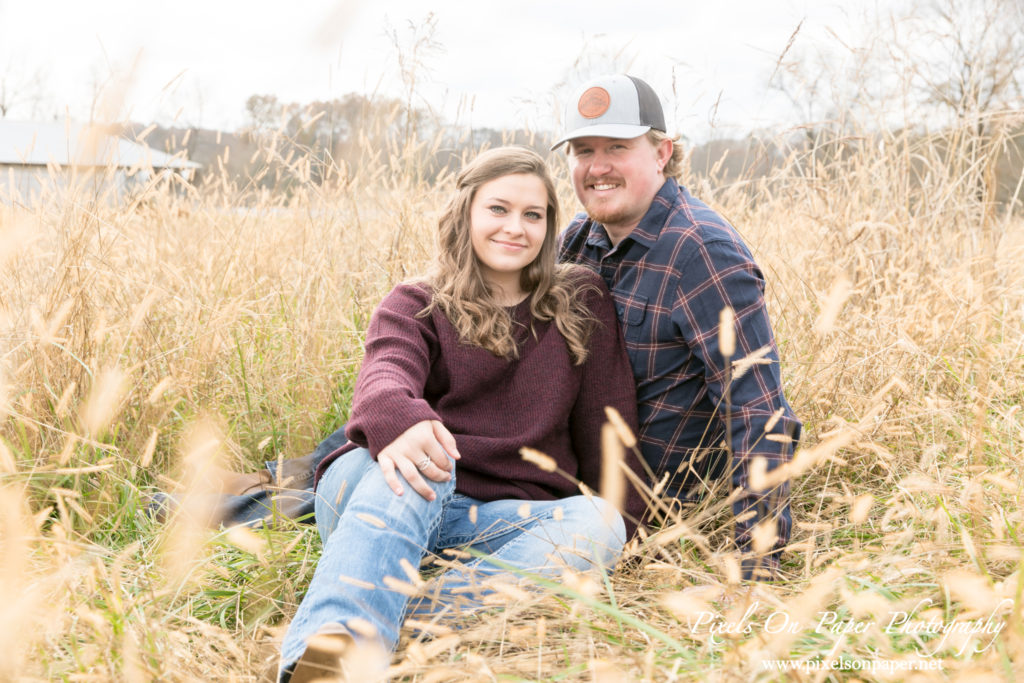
673	265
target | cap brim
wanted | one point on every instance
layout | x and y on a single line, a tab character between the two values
621	131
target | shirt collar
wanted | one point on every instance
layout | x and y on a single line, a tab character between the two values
598	237
647	230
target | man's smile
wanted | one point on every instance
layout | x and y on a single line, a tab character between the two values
603	185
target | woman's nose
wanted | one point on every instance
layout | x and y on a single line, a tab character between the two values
514	224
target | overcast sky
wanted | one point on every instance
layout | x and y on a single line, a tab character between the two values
496	63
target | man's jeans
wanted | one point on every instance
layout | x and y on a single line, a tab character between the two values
368	531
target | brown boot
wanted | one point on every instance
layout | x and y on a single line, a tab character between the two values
324	658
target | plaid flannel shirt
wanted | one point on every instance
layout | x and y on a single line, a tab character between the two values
671	278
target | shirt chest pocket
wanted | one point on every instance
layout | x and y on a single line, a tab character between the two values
632	312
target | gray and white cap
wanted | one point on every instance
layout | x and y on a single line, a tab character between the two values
618	106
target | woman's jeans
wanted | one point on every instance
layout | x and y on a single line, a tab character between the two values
373	538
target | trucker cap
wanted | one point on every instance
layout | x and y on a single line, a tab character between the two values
618	106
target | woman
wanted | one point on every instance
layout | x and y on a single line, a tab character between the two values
498	349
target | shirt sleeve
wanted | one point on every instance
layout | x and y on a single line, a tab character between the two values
750	403
400	348
607	380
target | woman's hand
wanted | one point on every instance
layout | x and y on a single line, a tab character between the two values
421	450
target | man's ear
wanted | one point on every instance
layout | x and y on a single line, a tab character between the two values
664	150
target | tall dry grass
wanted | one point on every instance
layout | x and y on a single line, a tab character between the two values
195	329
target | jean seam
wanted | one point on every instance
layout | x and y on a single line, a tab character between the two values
522	527
438	518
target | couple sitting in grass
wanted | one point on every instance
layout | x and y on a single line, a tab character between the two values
500	348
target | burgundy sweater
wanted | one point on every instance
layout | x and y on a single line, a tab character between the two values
416	369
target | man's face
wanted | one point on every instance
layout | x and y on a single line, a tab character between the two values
616	180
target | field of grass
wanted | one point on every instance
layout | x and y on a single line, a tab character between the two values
151	344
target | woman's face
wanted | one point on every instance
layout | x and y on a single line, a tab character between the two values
508	223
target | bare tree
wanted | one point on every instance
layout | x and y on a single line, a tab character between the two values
21	90
950	68
969	66
970	57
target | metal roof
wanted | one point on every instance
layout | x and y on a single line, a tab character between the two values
35	143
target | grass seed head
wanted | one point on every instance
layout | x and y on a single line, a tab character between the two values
726	332
613	482
541	460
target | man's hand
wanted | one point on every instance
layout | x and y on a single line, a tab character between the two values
421	450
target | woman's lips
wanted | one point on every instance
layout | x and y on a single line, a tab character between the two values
509	245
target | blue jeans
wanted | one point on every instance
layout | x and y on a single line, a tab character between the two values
368	531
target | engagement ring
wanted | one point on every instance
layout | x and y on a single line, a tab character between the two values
423	464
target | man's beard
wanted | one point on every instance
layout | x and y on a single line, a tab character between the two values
606	215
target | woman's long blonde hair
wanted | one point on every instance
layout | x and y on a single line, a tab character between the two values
459	288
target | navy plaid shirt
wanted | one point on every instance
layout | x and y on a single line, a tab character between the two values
671	278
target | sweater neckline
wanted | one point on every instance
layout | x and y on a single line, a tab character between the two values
519	303
520	309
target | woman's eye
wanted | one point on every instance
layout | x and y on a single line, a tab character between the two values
534	215
499	210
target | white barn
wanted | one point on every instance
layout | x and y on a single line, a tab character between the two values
42	155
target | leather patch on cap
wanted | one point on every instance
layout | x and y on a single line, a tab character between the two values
594	102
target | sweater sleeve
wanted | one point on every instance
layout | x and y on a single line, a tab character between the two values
607	381
400	349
